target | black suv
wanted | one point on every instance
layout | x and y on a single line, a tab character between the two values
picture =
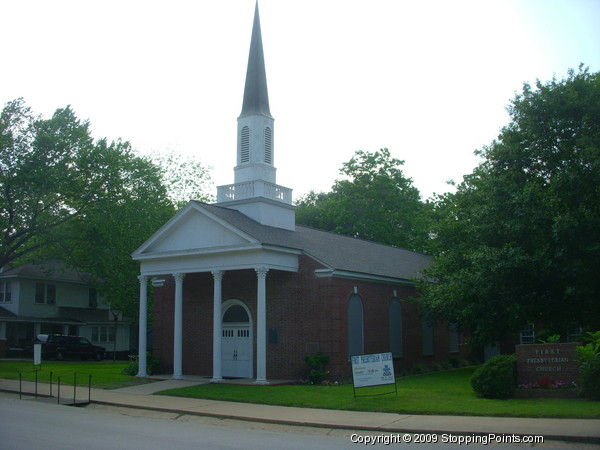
60	346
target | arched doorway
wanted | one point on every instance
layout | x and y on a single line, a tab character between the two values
236	340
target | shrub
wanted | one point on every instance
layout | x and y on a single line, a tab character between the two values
418	369
316	364
589	365
497	378
152	363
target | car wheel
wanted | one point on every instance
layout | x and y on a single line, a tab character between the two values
98	356
60	355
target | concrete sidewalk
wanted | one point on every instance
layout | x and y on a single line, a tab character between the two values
579	430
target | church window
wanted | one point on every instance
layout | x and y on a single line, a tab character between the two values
268	145
395	327
355	326
245	148
454	338
427	338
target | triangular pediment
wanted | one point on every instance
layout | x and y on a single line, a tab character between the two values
194	229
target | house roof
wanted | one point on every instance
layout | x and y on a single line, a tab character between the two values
51	269
335	251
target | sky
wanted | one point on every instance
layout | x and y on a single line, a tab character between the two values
429	80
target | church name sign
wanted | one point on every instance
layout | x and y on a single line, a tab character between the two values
373	370
554	361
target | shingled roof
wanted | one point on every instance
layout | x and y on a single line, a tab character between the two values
335	251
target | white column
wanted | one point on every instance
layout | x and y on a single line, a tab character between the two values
143	327
178	326
261	326
217	324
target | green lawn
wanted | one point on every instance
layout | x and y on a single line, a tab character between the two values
105	374
443	393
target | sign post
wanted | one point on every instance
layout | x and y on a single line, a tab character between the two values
37	354
373	370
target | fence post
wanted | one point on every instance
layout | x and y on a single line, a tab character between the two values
58	396
74	388
20	385
36	383
90	389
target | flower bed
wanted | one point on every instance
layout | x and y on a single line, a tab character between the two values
547	388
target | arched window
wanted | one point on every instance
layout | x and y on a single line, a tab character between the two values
395	328
245	154
355	326
268	145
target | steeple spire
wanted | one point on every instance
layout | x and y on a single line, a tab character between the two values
255	191
256	95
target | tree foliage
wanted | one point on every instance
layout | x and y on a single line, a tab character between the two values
375	202
519	241
64	195
185	177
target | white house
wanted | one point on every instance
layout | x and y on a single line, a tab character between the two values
50	298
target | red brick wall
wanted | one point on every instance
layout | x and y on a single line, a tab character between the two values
308	312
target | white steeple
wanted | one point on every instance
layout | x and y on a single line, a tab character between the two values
255	192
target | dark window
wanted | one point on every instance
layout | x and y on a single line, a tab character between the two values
454	339
395	329
40	292
93	297
5	292
355	326
51	294
236	314
427	338
45	293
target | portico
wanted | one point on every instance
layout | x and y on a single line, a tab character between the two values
198	241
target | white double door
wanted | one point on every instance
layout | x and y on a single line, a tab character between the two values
236	351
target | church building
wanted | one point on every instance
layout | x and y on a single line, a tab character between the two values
241	291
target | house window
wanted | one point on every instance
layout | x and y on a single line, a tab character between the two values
103	334
527	336
454	339
245	147
45	293
427	338
5	292
395	327
268	145
92	298
355	326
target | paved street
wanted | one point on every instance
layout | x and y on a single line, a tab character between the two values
36	424
40	424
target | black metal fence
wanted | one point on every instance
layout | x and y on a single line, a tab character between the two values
60	381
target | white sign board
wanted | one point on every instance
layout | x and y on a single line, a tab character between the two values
37	354
373	370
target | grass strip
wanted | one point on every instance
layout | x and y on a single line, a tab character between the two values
444	393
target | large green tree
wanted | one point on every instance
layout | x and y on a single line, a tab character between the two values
64	195
519	240
375	201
